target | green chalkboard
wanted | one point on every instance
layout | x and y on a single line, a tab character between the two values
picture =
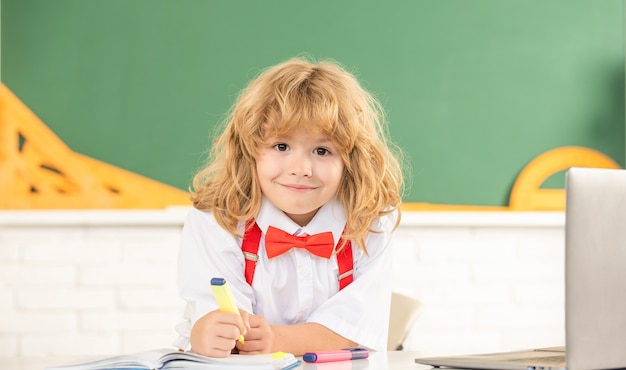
474	90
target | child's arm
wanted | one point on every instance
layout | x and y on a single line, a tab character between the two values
206	252
296	339
308	337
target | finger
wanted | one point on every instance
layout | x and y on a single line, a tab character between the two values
249	346
229	332
229	318
254	334
252	347
223	344
245	319
257	321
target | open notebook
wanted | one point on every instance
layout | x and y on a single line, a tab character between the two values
168	359
595	283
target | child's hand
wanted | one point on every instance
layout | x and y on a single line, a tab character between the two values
215	333
259	338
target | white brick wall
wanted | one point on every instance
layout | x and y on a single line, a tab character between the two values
79	283
488	281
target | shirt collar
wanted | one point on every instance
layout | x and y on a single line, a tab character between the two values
330	217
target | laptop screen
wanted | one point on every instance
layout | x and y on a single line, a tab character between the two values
595	268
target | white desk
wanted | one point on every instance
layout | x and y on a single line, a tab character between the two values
377	361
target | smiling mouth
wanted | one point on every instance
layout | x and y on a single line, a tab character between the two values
298	187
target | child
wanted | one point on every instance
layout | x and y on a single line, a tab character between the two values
303	153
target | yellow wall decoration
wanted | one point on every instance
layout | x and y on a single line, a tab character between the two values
38	171
526	194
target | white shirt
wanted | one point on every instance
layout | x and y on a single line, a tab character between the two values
295	287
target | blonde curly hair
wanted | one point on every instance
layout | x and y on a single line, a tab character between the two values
324	98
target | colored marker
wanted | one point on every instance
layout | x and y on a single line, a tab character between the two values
224	298
339	355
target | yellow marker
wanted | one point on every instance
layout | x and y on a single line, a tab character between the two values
224	298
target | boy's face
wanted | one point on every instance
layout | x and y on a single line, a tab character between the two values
299	173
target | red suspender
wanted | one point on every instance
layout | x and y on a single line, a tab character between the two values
345	262
250	248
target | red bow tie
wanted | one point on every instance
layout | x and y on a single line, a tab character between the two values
278	242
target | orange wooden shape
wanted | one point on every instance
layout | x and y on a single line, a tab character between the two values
527	194
38	171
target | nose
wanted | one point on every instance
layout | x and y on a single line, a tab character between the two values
300	165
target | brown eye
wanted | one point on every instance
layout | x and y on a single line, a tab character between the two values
321	151
281	147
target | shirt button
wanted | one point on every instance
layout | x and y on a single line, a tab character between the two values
305	272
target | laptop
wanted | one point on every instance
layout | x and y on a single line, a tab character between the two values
595	283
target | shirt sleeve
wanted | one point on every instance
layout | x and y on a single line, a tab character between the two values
360	311
207	251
